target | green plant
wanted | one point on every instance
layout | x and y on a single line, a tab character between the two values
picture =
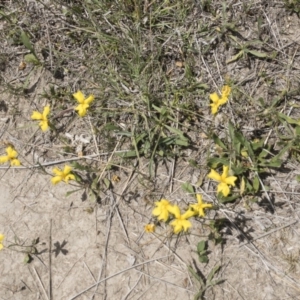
205	283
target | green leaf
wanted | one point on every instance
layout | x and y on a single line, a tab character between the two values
297	130
276	101
125	133
196	276
182	142
214	162
26	42
257	145
238	170
242	186
159	109
288	119
27	259
111	127
187	187
193	163
127	154
140	137
223	199
256	184
235	58
283	150
263	154
72	192
201	246
235	138
107	182
175	131
273	163
218	141
249	186
203	258
212	273
215	282
78	166
31	58
257	53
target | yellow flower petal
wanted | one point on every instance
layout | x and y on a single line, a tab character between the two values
223	100
57	171
56	179
226	90
162	215
67	170
223	188
180	225
214	175
214	97
214	108
11	152
79	96
46	112
36	116
186	224
11	156
161	211
44	125
15	162
149	228
225	172
89	99
84	103
1	240
200	206
199	198
81	108
64	175
4	159
188	214
231	180
69	177
174	210
42	117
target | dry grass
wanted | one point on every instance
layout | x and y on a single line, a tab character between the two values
152	66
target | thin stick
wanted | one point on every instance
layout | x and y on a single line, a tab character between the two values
104	258
165	281
118	273
125	297
51	163
50	262
39	279
268	233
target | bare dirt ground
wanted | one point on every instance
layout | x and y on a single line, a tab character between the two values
90	246
99	250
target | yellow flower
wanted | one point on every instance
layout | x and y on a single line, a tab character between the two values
162	209
11	156
42	117
181	222
149	228
1	240
226	90
224	180
64	175
200	206
217	101
84	104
